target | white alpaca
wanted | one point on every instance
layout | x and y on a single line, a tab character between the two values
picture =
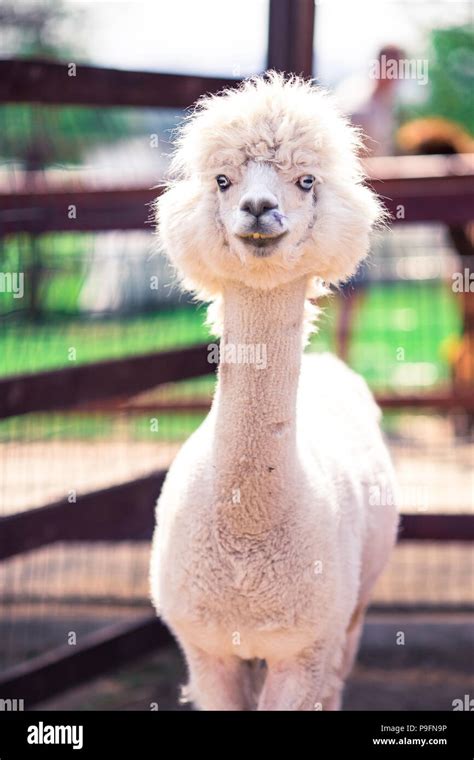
275	518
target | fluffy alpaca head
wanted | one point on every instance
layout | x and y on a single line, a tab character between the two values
266	187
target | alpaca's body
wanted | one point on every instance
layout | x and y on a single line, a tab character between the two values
279	575
277	515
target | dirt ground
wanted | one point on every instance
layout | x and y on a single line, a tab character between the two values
433	667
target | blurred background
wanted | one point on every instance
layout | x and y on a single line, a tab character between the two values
103	369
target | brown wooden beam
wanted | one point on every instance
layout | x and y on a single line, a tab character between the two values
290	36
449	401
417	607
43	677
419	167
435	527
36	81
127	406
95	210
73	386
123	512
448	200
446	402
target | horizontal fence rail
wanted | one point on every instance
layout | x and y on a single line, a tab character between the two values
446	402
73	386
96	210
49	674
66	83
123	512
445	200
436	527
450	401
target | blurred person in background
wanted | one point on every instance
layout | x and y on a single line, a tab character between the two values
371	104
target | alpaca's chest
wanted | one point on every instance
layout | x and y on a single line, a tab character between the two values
245	596
260	568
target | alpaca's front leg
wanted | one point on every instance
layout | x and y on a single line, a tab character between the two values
354	633
350	649
299	684
217	683
291	685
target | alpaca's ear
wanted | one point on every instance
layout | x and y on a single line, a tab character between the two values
182	218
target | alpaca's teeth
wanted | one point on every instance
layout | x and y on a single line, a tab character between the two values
257	236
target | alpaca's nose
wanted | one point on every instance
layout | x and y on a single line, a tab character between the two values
258	204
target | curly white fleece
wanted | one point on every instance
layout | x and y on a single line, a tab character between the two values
277	515
295	127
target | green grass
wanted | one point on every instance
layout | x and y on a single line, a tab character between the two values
100	426
403	334
31	348
60	263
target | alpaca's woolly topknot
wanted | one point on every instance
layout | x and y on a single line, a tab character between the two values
286	121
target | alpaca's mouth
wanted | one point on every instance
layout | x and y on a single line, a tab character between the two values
260	240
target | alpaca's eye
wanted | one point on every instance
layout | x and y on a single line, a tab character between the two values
223	182
306	182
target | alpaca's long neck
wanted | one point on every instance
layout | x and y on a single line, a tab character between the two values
255	403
